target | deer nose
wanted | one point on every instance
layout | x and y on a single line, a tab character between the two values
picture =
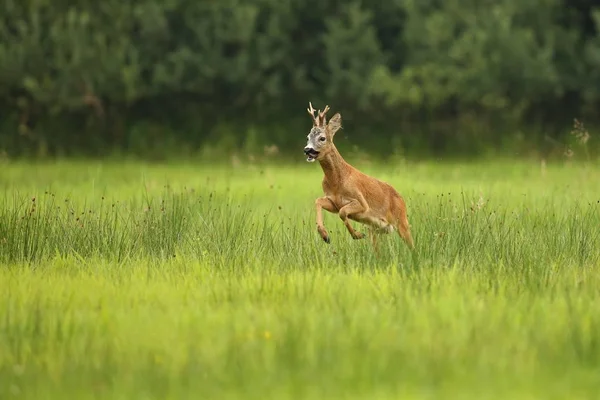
307	150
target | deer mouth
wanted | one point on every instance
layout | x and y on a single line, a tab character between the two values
311	155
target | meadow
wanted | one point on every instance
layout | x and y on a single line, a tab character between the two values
127	280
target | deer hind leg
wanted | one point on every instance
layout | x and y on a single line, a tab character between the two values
404	232
354	207
402	222
326	204
374	235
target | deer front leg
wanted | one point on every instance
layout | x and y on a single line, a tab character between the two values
320	204
354	207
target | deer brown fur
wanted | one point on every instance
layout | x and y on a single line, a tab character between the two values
350	193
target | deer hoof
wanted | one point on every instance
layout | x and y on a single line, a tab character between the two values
358	236
324	235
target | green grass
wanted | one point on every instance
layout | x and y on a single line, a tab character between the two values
132	281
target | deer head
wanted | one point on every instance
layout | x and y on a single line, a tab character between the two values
320	137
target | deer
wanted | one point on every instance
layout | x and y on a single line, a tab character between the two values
350	193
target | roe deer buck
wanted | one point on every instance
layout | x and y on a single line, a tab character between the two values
350	193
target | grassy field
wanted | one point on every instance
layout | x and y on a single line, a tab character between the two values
134	281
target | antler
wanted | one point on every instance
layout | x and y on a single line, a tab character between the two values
322	116
320	119
311	111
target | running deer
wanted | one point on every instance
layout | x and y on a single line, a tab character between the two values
350	193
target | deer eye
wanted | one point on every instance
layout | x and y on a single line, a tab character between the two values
322	138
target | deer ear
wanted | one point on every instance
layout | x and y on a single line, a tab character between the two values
335	123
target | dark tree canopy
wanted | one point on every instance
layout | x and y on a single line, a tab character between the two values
448	76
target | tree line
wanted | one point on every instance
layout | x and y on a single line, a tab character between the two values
148	76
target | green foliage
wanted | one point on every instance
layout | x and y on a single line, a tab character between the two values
452	75
490	56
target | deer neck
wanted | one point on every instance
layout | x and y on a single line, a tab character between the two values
333	164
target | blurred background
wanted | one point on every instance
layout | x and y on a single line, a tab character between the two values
204	78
